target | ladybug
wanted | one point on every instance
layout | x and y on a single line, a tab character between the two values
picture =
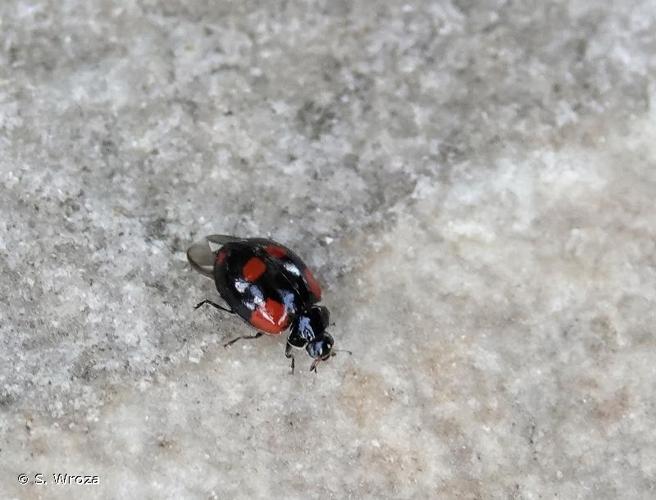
269	287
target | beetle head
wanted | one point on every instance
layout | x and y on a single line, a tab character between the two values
311	328
320	349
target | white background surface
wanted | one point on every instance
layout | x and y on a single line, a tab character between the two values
473	182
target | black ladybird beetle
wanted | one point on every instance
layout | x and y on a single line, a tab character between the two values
269	287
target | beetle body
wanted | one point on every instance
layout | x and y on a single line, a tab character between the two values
269	287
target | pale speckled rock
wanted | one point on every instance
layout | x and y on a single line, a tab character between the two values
473	182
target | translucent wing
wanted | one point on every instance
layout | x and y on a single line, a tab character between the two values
201	254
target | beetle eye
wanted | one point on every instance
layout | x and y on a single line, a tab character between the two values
313	349
320	349
326	352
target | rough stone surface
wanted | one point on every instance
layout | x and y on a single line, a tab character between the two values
473	182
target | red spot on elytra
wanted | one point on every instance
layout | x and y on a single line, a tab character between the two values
253	269
275	251
312	283
270	317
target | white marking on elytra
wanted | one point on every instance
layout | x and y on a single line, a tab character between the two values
241	285
288	300
258	296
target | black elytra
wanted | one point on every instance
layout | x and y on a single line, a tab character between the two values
269	287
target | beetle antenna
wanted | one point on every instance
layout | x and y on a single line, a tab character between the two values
341	350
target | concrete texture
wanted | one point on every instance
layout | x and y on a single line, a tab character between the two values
472	181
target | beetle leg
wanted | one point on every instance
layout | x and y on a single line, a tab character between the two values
213	304
245	337
288	354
